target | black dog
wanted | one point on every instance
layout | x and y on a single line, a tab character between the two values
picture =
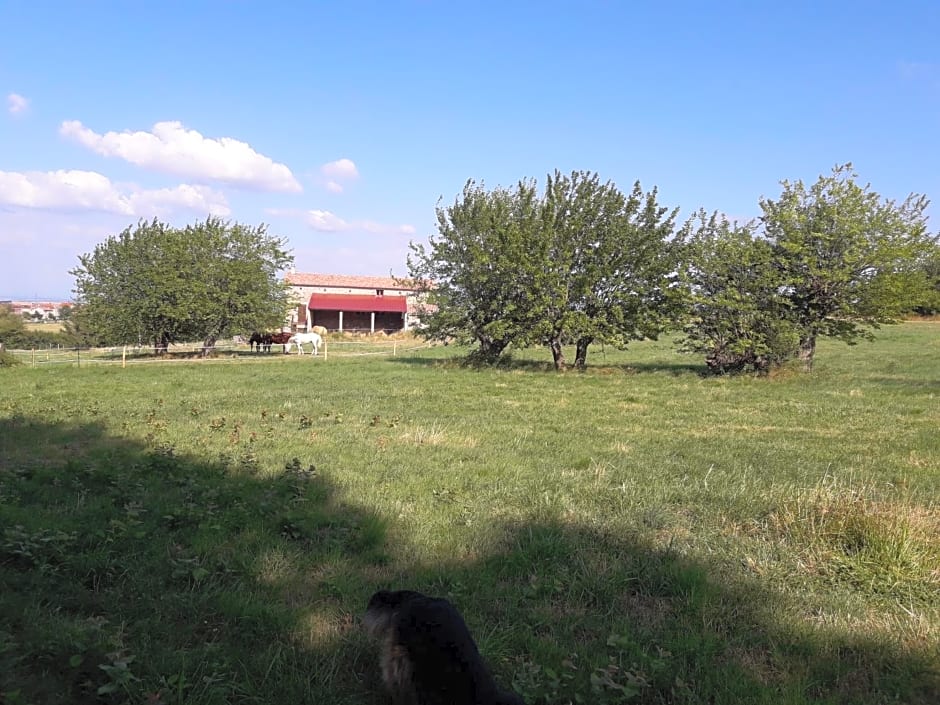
427	654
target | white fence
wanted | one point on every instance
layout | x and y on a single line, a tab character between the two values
224	351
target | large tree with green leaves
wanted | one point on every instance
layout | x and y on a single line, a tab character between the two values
580	262
475	272
163	284
844	254
736	310
610	258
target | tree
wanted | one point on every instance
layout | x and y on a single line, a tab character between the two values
164	284
844	254
611	258
926	298
577	264
65	312
238	268
736	310
474	272
12	327
79	333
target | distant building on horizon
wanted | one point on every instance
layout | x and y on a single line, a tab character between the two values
46	310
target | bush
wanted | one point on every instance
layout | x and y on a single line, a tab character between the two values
27	339
768	344
8	359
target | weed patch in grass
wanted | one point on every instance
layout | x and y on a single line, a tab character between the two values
881	544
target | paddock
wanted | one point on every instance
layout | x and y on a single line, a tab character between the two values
228	351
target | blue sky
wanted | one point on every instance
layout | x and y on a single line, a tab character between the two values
342	124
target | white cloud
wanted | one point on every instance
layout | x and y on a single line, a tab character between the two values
199	199
324	221
327	222
337	172
340	169
173	149
17	104
91	191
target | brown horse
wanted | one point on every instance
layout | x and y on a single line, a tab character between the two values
280	338
263	341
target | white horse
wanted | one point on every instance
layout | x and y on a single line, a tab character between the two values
301	339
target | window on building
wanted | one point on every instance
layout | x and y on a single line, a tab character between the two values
380	292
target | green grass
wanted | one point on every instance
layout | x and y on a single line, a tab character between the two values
210	531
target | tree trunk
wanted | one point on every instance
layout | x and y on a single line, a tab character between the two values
807	350
490	350
580	358
558	354
208	345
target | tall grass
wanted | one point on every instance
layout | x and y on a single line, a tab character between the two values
210	531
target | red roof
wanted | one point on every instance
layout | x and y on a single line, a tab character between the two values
356	303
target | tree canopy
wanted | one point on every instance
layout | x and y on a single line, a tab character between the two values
474	271
736	313
582	262
578	263
613	259
926	299
161	284
844	254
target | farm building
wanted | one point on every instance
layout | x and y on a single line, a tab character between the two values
351	303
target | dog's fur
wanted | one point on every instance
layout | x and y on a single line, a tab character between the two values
427	654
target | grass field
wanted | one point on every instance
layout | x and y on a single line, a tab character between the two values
210	531
45	326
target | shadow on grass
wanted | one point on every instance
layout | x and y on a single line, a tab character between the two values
672	368
514	364
131	572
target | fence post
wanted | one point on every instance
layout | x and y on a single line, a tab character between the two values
79	355
325	351
394	348
124	357
32	357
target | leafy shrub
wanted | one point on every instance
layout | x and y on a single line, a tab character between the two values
8	359
737	315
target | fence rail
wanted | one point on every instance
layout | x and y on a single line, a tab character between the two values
225	351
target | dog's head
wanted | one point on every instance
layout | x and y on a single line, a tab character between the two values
382	608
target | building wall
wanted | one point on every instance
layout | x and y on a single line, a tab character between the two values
300	296
307	290
387	321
